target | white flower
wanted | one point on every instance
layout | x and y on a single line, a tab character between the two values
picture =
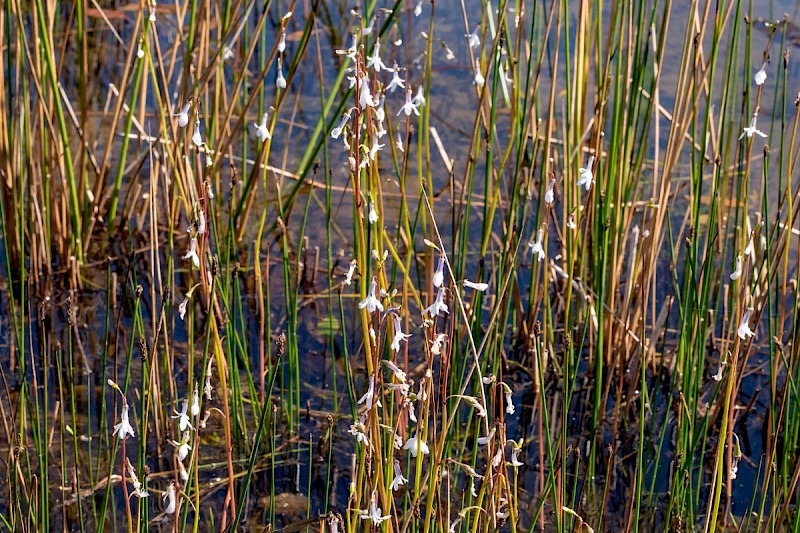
364	94
170	498
477	286
744	330
409	107
192	253
282	41
761	75
398	476
374	512
371	302
262	132
369	396
418	9
438	276
360	432
750	131
280	81
718	375
137	485
399	143
483	441
734	469
474	39
183	446
124	428
737	273
337	131
436	344
548	195
479	79
374	61
419	98
537	247
140	52
195	410
373	151
350	271
197	139
182	307
398	374
183	116
334	522
183	417
515	449
437	306
351	52
368	29
201	222
398	335
585	175
510	409
182	472
396	80
416	445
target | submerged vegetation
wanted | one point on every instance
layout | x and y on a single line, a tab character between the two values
399	266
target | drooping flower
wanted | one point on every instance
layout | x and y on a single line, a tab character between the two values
197	139
752	129
182	307
744	330
371	302
548	195
516	448
510	409
585	175
398	334
477	286
375	148
737	273
183	116
374	512
437	306
416	445
483	441
282	41
479	80
351	52
537	246
409	107
369	396
418	8
373	215
262	131
124	428
201	221
195	401
368	29
137	485
280	81
171	498
192	253
761	75
474	39
396	80
364	94
438	276
398	373
337	131
348	279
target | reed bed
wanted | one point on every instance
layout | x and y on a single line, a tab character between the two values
399	266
